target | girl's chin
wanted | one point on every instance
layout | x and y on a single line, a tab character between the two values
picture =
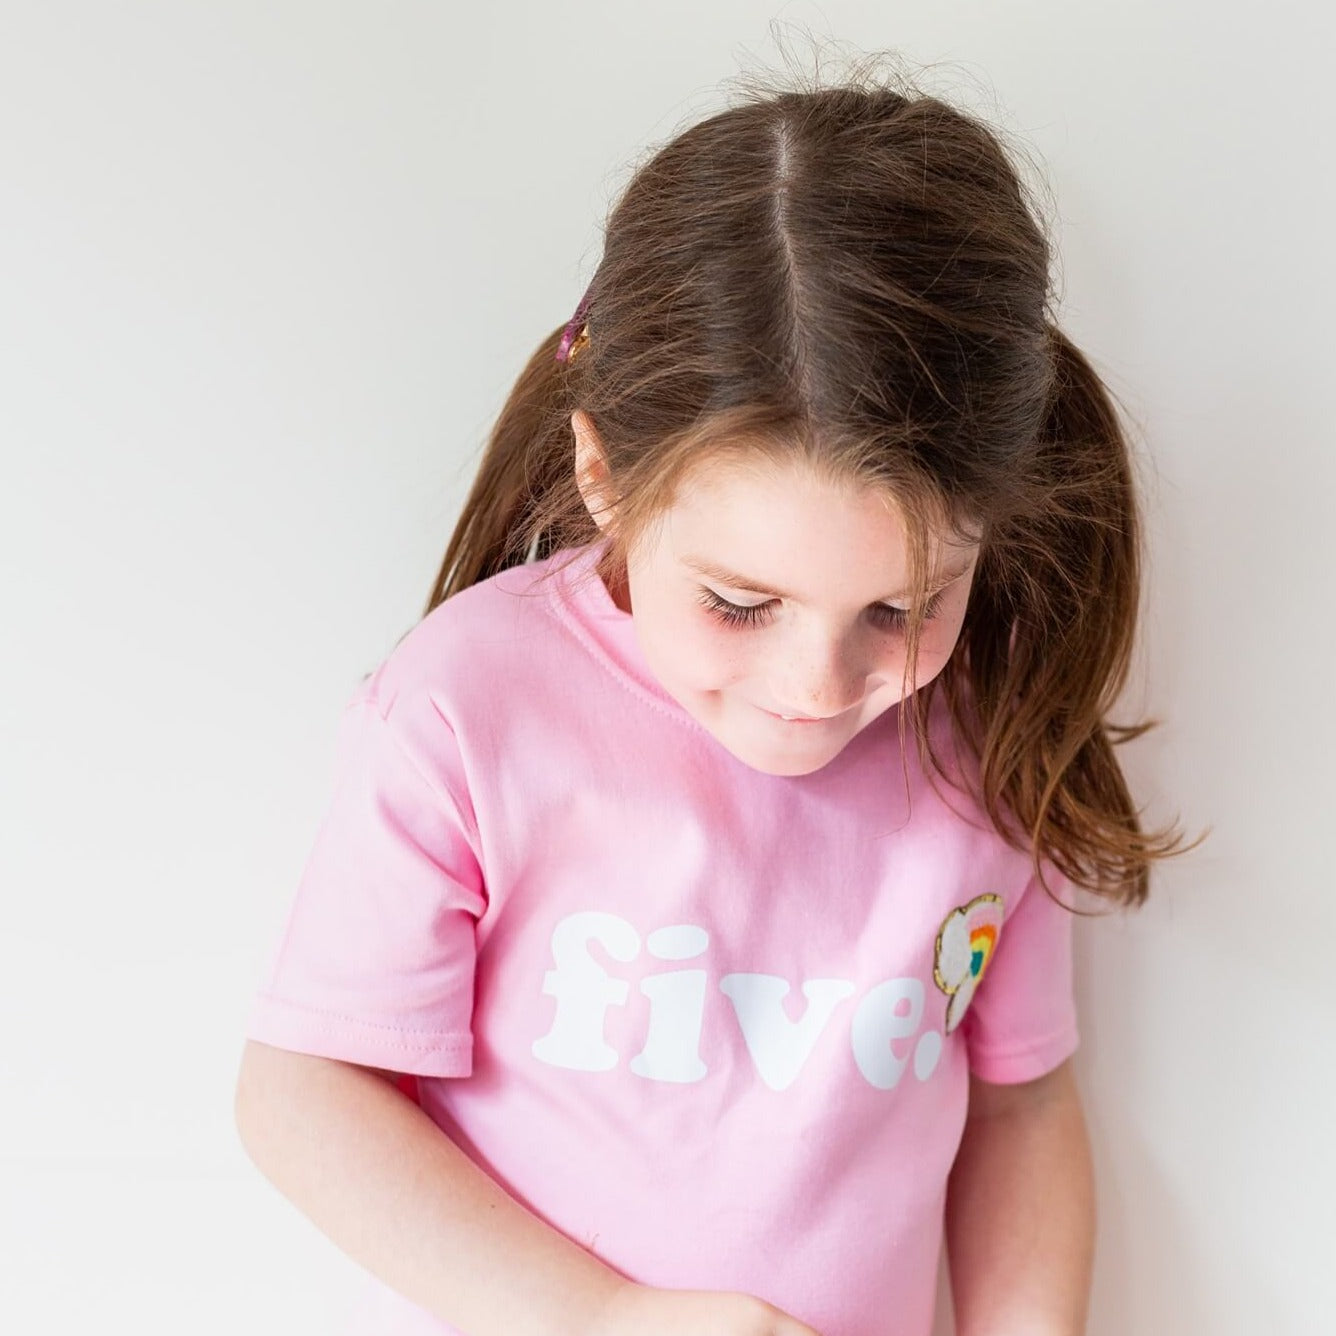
780	748
789	767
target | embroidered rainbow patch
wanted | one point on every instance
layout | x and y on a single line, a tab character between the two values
965	945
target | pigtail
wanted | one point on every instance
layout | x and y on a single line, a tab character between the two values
525	483
1047	644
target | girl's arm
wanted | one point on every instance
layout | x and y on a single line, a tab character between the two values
376	1175
1020	1211
372	1171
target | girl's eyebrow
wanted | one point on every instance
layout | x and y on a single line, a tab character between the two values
713	571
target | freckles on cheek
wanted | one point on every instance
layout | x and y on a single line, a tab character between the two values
936	645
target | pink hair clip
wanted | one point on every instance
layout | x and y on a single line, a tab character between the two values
576	334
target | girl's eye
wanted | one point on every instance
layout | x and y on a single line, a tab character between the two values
897	619
885	616
731	614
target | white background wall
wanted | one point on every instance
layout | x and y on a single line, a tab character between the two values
267	271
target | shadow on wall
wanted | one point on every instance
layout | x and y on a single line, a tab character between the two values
1150	1274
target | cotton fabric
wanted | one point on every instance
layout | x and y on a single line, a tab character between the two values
713	1024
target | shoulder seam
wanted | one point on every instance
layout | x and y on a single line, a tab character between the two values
465	809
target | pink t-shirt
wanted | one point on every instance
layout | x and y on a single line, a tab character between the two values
715	1025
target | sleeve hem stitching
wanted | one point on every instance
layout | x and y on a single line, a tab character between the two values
420	1040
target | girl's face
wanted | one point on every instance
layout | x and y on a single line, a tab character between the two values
766	592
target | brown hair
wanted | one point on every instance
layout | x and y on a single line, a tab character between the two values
851	276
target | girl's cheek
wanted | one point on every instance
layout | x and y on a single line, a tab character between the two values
937	641
692	652
715	655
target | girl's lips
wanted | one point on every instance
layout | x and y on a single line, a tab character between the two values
796	719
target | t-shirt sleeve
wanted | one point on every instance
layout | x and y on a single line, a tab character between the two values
376	962
1021	1022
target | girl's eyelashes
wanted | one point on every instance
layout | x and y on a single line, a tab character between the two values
731	614
885	616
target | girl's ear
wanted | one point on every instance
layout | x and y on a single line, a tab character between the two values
591	468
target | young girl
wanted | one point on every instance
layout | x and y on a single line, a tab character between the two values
686	945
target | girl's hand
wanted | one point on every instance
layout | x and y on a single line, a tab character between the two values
642	1310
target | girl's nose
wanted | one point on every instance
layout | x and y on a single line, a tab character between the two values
822	682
